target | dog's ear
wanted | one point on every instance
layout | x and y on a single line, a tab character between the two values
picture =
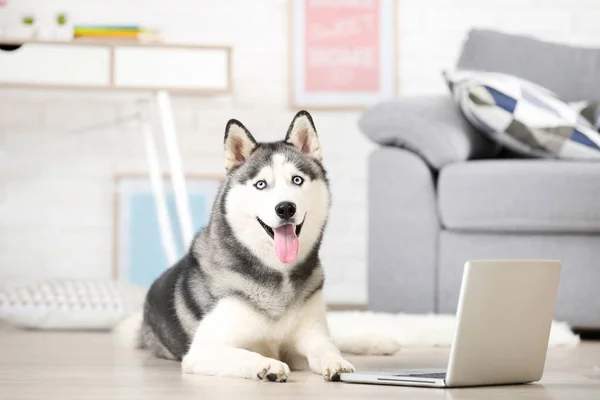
303	135
239	144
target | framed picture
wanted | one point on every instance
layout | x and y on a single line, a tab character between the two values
139	255
343	53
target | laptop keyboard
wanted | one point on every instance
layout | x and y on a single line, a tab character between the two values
438	375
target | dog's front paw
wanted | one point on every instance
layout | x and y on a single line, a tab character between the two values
189	365
334	366
272	370
194	364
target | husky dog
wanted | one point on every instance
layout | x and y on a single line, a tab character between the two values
246	301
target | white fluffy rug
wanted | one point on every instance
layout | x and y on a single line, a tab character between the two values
362	331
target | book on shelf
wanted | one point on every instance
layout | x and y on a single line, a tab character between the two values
114	32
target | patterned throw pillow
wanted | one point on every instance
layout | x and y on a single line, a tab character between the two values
523	116
588	110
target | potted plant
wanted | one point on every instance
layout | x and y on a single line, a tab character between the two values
63	30
27	28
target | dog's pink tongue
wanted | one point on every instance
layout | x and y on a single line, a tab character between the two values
286	243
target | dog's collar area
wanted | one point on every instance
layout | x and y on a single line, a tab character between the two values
270	232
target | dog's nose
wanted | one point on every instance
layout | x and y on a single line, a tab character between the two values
285	209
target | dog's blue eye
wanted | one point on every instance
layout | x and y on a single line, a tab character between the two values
297	180
260	185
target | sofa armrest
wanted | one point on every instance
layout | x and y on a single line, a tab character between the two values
403	233
430	126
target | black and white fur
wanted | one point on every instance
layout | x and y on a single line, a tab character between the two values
230	307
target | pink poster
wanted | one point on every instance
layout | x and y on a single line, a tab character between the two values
342	45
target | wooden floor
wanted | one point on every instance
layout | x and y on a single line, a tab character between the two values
42	365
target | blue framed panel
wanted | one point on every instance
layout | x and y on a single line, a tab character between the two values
140	257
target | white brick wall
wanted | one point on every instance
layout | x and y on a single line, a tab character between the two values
56	187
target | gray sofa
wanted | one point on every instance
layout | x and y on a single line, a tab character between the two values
440	193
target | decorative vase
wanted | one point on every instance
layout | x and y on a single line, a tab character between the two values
63	32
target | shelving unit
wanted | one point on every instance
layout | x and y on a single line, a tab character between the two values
116	65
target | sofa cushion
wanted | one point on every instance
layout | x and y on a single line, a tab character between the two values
523	116
589	110
520	195
569	71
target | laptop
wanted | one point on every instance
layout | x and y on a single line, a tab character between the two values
505	311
